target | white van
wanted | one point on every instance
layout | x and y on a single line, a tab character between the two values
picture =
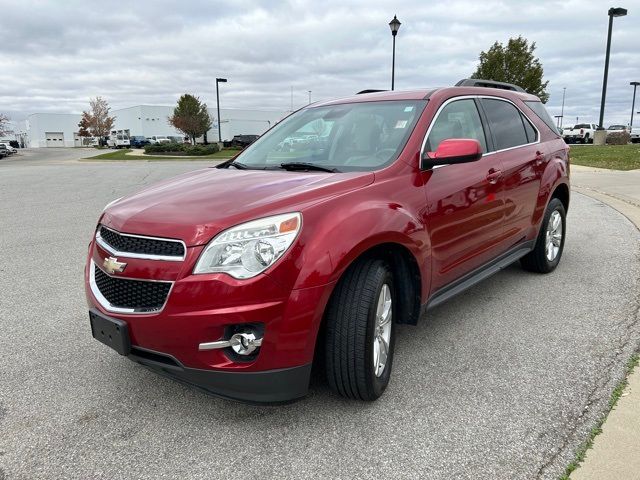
119	139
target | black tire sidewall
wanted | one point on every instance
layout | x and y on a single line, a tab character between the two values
379	384
554	205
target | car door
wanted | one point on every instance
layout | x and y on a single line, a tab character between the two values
517	147
465	205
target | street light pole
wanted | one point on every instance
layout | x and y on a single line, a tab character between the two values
633	104
219	80
613	12
564	91
309	96
394	25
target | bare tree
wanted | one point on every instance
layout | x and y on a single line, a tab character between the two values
4	124
96	121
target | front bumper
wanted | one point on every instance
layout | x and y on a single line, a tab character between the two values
271	386
200	308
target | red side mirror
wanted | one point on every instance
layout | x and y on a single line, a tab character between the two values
453	150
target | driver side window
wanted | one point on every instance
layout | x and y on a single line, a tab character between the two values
459	119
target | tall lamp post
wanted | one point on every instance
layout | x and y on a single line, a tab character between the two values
394	25
613	12
564	91
633	104
219	80
309	96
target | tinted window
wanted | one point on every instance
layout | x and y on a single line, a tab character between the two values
541	112
459	119
506	124
532	135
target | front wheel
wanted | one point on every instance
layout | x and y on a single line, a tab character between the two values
360	339
545	256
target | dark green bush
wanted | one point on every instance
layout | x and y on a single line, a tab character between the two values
181	149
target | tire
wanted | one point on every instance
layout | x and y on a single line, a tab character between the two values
585	140
352	328
544	258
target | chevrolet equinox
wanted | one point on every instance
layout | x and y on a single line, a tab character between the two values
235	278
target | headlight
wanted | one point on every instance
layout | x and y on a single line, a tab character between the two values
110	203
248	249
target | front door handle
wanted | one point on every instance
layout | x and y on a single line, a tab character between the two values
493	176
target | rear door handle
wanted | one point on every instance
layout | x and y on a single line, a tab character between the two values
493	176
540	158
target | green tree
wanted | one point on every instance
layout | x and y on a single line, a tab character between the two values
513	63
191	117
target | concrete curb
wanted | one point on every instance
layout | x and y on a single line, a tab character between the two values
615	453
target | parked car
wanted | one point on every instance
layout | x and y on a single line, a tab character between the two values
616	128
10	150
580	133
3	151
138	141
635	135
231	277
177	139
157	139
14	144
242	141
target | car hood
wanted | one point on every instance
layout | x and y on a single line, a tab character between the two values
196	206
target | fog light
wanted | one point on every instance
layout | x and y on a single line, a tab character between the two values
243	343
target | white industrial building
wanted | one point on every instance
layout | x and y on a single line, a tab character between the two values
61	129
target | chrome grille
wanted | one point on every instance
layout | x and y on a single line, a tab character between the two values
126	295
139	246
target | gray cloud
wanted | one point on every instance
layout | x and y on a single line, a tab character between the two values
58	54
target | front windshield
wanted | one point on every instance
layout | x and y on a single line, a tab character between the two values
345	137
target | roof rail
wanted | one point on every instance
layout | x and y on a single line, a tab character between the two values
478	82
370	91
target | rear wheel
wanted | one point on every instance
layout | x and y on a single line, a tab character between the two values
545	256
360	339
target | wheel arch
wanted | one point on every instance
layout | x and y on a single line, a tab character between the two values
406	273
561	192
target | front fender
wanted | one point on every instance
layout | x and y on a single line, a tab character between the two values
350	230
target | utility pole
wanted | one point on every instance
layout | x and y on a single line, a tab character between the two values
564	91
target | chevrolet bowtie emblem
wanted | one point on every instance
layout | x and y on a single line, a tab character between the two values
112	265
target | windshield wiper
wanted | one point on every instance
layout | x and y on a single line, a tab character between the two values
238	165
295	166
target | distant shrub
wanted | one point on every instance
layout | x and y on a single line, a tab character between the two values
181	149
618	138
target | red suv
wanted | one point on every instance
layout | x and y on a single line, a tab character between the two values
235	278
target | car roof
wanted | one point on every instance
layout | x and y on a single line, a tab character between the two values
426	93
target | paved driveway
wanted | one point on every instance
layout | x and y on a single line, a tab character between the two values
49	156
503	382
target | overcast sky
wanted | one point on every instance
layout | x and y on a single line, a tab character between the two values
56	54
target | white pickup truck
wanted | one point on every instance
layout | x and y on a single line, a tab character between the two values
580	133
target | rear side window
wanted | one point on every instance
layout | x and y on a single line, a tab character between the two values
541	112
532	135
506	124
459	119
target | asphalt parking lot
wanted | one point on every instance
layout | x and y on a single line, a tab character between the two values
502	383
